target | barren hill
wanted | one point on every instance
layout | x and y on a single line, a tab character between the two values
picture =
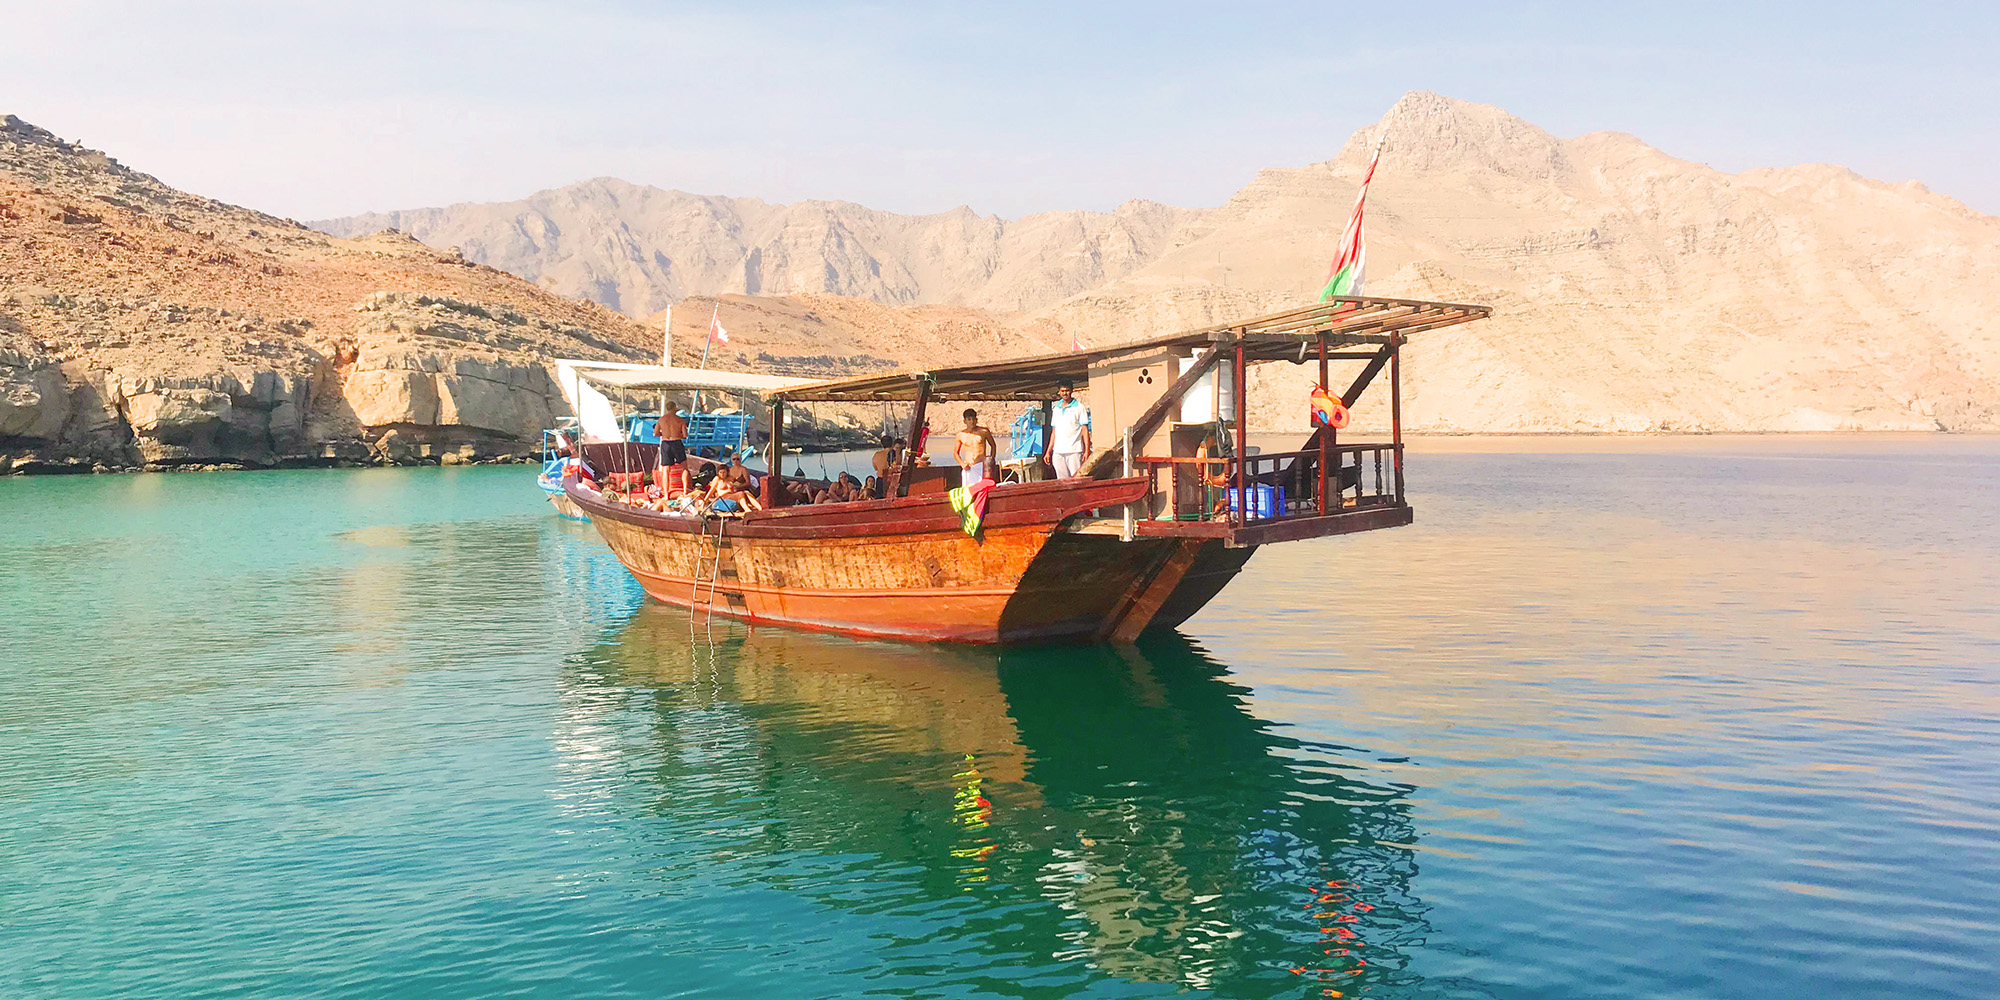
1634	291
143	326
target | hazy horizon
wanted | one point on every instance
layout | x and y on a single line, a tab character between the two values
326	112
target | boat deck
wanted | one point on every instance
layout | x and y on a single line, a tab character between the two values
1289	528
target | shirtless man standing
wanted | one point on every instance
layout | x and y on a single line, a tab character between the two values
671	429
974	449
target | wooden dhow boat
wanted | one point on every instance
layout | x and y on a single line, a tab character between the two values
1154	527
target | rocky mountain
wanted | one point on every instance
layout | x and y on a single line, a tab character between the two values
639	249
1633	291
142	326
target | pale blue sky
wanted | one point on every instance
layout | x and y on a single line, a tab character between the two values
318	109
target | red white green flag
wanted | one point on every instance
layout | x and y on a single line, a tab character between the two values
1344	277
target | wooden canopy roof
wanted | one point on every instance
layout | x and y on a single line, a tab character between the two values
1279	336
651	378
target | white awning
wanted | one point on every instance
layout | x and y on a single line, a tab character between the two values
660	378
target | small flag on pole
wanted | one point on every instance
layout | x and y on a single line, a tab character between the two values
716	334
1344	277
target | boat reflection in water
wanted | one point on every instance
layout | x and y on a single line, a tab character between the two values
1057	814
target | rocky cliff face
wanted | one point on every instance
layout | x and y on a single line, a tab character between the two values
143	327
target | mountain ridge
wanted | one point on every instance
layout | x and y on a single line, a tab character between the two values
740	245
1633	290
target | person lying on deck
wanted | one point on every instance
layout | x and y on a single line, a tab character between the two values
843	489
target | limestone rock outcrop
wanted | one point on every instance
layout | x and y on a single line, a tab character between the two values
34	400
143	327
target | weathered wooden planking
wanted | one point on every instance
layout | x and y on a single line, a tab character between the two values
913	576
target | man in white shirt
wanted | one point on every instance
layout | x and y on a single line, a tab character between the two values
1069	432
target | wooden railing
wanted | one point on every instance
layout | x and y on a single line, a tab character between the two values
1278	484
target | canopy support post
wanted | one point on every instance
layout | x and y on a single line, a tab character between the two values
1242	437
916	431
775	492
1396	406
1048	435
1325	430
1130	530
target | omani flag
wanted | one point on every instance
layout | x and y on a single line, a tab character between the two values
715	331
1344	277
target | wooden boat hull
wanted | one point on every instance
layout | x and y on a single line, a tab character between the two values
566	507
903	569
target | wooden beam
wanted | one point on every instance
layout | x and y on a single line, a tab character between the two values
916	432
774	493
1336	337
1243	505
1292	529
1149	421
1367	375
1048	434
1396	410
1323	430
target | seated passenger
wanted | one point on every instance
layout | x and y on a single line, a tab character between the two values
734	486
835	492
872	488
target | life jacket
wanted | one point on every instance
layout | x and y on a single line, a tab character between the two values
1327	409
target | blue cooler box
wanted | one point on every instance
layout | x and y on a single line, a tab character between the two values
1266	501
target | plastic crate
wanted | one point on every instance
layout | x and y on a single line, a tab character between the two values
1266	501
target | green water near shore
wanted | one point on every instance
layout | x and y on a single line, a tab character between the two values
1722	721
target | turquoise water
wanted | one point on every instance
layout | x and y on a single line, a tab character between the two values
1720	719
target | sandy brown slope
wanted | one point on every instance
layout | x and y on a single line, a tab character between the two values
140	325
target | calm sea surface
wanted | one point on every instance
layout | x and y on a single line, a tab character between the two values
1691	719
